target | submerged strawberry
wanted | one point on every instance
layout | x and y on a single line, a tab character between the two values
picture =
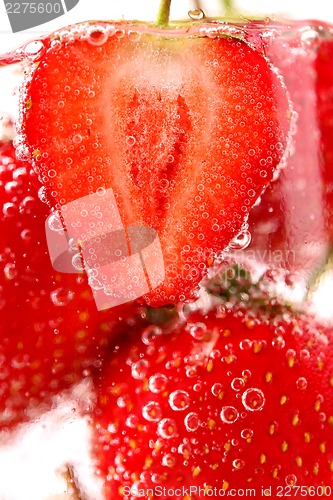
51	334
291	226
185	125
237	398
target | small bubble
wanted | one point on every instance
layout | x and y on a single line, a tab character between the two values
217	389
77	139
149	334
245	344
237	384
42	194
229	414
196	14
278	342
77	262
198	330
168	460
130	140
253	399
96	35
179	400
34	50
134	36
61	296
10	271
238	464
132	421
246	433
167	428
54	222
192	421
291	480
139	369
301	383
241	240
310	38
152	412
157	383
9	209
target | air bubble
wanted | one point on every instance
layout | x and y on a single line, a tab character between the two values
310	38
196	14
34	50
217	389
198	330
253	399
301	383
96	35
157	383
179	400
149	334
246	433
291	480
10	271
61	296
130	140
237	384
134	36
279	342
54	222
192	421
238	464
139	369
167	428
152	412
229	414
9	209
168	460
77	262
241	240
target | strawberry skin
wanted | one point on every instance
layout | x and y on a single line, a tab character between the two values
238	398
325	120
51	334
291	227
187	127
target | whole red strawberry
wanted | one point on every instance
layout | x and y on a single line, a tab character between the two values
240	397
183	127
51	334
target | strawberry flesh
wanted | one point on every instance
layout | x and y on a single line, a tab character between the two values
187	127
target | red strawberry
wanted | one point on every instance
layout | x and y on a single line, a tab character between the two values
289	226
325	119
51	334
186	125
237	398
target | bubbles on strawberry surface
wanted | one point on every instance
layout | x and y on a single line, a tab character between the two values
182	131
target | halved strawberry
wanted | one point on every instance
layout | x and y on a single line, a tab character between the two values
237	398
185	125
51	334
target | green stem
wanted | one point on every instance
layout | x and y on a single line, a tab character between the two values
163	14
228	7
